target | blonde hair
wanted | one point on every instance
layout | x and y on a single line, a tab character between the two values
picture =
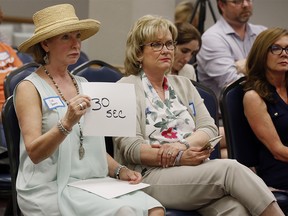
143	31
183	13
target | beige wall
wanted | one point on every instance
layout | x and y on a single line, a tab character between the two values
117	16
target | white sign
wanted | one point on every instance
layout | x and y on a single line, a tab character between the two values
112	111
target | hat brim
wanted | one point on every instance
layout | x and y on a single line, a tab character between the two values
87	27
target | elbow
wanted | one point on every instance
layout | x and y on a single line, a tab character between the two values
35	160
280	154
133	154
34	157
279	157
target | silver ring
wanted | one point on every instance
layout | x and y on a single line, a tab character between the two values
81	106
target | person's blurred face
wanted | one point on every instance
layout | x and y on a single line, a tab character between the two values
65	48
184	53
277	58
158	60
236	13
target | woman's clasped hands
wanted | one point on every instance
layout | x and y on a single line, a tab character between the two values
173	154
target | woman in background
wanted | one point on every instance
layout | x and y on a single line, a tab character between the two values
188	43
267	89
184	12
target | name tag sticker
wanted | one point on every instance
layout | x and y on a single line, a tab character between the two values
54	102
191	105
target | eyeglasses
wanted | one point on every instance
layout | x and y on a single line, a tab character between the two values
158	46
240	2
277	50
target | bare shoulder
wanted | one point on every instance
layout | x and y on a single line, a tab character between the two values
251	97
26	91
25	86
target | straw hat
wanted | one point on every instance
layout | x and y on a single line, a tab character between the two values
56	20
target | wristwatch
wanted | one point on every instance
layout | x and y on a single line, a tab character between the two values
184	142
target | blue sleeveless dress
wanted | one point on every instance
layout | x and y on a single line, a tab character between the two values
272	171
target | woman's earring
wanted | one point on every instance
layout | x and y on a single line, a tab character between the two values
140	65
46	59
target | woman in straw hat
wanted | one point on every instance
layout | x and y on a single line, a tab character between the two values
53	151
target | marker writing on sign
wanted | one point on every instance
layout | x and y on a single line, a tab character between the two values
98	104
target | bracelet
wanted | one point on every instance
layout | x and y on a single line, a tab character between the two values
185	142
62	128
117	171
178	158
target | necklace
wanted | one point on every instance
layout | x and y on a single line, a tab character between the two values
81	148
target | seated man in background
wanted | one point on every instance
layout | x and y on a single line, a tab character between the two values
226	44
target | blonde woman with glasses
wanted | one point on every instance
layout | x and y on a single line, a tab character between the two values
173	126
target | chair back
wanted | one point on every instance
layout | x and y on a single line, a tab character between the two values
12	135
98	71
242	144
211	103
25	57
15	76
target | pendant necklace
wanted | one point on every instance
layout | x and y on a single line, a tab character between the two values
81	148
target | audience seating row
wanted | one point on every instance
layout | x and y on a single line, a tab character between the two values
241	142
104	72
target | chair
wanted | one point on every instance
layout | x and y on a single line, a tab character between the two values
98	71
25	57
6	187
15	76
211	102
242	143
12	135
6	176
